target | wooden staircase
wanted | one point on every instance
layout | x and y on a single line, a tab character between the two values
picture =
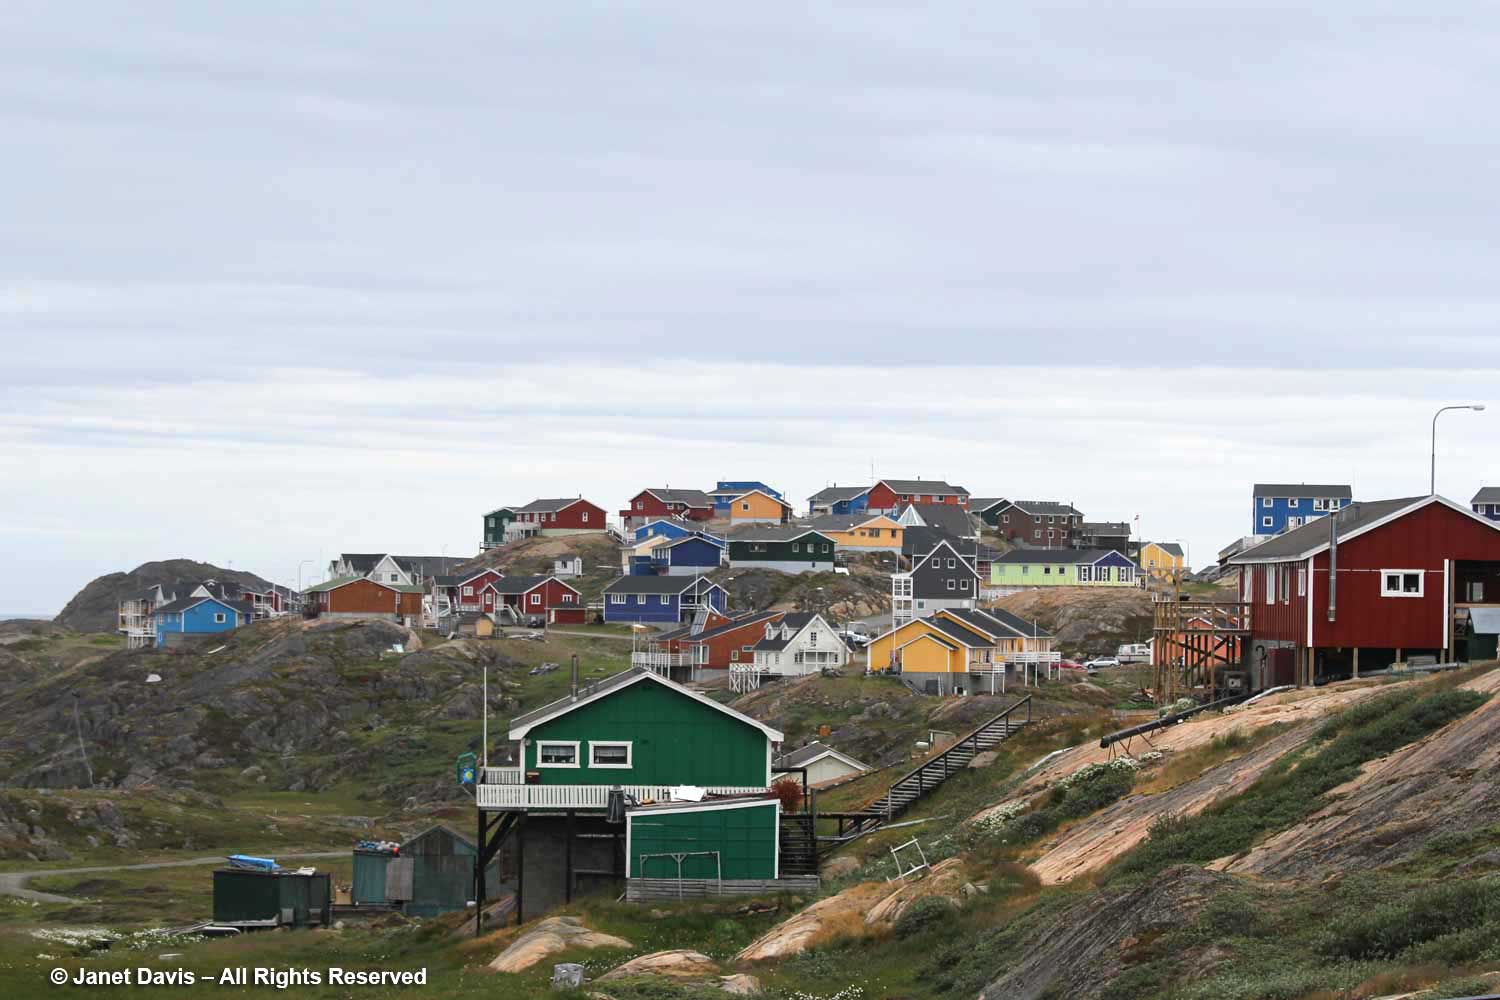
931	773
799	845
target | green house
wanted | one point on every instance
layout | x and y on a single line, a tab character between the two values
1019	569
640	730
495	523
786	548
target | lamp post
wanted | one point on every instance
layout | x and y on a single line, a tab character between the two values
1441	410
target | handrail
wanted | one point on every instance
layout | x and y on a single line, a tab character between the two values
971	738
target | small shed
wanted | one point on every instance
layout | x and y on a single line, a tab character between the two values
485	627
244	898
1484	634
431	873
713	840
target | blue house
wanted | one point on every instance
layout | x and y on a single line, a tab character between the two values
1486	503
727	489
200	615
839	500
1279	506
673	528
692	556
663	600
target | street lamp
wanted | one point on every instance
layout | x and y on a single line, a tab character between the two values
1440	412
299	572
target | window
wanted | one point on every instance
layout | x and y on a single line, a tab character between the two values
640	598
394	577
1476	591
468	591
219	618
951	564
617	598
744	506
664	599
1401	582
492	522
1265	501
1025	570
567	598
1301	581
963	585
609	755
1046	570
796	547
557	754
950	584
1271	574
1085	574
1037	533
640	505
1265	522
1292	503
1004	518
536	598
585	517
827	546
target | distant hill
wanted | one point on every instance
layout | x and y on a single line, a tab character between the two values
95	608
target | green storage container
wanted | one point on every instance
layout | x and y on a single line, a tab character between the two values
271	899
369	878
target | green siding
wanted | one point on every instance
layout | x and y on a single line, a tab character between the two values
368	885
745	838
676	740
810	548
1037	575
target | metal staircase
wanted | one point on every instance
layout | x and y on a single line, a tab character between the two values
928	775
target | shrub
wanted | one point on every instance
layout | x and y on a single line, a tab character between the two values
926	913
1447	912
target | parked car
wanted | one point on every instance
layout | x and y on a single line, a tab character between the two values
855	636
1101	662
1069	665
536	621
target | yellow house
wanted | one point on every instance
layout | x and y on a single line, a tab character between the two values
1162	559
959	650
757	507
862	532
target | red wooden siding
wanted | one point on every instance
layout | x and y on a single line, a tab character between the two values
882	497
645	506
369	598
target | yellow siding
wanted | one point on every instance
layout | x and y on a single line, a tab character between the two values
879	651
755	507
925	656
1158	562
874	534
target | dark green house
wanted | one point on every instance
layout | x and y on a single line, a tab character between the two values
786	548
495	523
633	765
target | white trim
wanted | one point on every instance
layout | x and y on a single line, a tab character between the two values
1248	558
1420	574
708	805
1308	596
831	752
520	732
629	746
577	754
1447	596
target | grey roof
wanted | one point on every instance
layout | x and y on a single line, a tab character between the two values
1302	490
833	494
797	621
693	498
739	621
1046	508
950	517
764	532
1105	528
1485	621
547	506
501	510
840	522
1170	548
1061	557
429	565
1301	542
989	618
978	504
521	584
360	563
1488	494
956	631
929	486
655	584
811	752
919	540
183	603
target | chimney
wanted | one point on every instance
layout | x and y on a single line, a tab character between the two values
1333	567
574	678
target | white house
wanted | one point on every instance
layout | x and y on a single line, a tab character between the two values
799	644
825	765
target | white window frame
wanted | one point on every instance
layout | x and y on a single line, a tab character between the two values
1385	590
1301	581
1265	501
219	618
629	755
1293	502
664	599
617	598
1265	522
585	517
536	598
558	743
1272	572
468	591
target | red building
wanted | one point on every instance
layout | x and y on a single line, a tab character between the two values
562	516
889	496
721	643
469	592
547	596
1372	585
648	505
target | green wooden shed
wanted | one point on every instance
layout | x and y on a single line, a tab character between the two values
244	898
731	840
432	873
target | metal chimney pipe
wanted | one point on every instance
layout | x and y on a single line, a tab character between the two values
1333	567
574	685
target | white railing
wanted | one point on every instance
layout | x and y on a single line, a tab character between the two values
1030	659
498	796
502	776
658	660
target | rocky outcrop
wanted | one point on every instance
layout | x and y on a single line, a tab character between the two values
96	607
680	963
1082	950
550	937
945	879
1447	782
842	914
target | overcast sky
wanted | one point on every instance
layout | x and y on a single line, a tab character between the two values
278	282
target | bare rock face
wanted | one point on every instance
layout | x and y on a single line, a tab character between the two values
946	879
740	985
840	867
680	963
1079	953
840	914
550	936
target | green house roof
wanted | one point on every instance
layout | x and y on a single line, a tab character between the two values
523	724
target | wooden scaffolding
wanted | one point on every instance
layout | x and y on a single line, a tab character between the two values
1194	642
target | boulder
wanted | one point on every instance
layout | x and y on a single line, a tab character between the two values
740	984
827	918
548	937
946	879
839	867
680	963
984	759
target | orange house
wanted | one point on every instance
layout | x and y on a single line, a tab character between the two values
757	507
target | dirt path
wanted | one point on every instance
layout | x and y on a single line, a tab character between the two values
14	883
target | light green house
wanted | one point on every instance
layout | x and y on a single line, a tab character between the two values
1023	568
